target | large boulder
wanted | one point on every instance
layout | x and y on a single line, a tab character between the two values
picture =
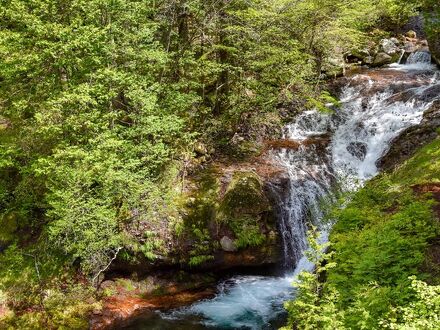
382	59
389	46
406	144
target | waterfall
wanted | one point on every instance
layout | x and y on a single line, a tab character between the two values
338	150
310	181
419	57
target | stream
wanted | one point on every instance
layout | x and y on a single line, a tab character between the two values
376	105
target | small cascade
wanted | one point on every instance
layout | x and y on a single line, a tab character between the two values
419	57
310	181
338	151
401	57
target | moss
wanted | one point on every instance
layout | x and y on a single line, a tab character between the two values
240	210
422	168
244	196
243	207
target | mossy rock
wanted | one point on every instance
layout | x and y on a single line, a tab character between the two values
223	206
244	196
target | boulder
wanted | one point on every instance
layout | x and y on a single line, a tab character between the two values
382	59
410	47
227	244
395	41
388	47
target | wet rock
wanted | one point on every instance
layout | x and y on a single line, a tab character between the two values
357	149
395	41
124	305
227	244
382	59
404	96
431	93
406	144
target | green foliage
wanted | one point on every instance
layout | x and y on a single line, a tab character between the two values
248	232
309	309
199	259
421	313
36	281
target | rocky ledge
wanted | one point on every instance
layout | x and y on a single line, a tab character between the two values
389	51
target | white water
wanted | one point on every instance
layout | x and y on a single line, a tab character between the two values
360	131
419	57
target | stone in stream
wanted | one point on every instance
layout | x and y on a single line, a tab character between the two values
357	149
382	59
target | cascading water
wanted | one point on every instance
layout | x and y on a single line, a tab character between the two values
337	148
310	181
419	57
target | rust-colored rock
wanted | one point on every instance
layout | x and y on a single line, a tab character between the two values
119	309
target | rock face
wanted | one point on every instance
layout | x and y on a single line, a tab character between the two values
405	145
226	221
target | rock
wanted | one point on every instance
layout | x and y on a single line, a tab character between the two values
430	93
413	138
411	34
388	47
357	55
368	60
357	149
237	139
228	244
382	59
395	41
410	47
334	67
